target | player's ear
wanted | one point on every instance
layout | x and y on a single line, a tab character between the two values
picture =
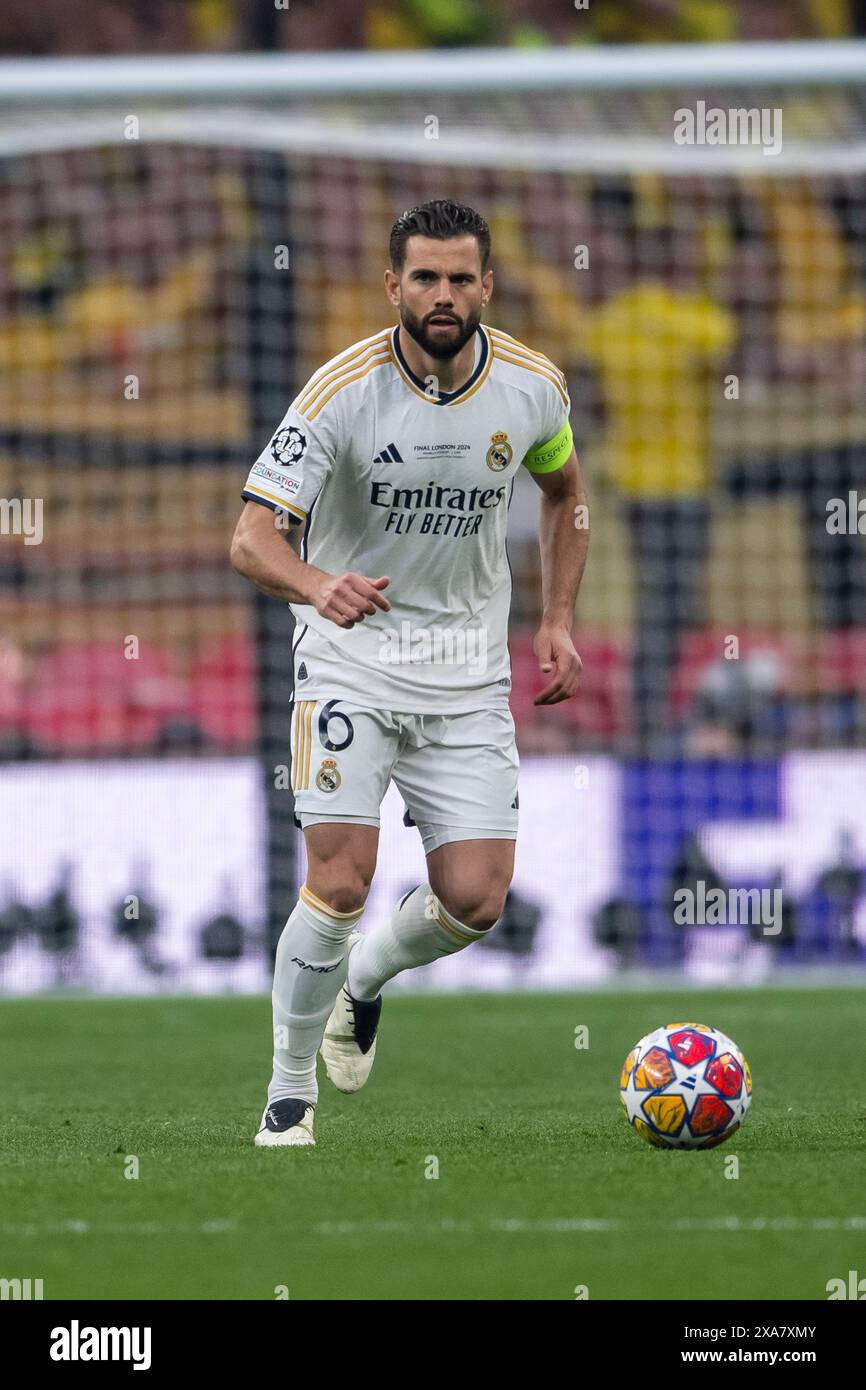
486	287
392	286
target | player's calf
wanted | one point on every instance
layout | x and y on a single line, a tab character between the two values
309	971
420	931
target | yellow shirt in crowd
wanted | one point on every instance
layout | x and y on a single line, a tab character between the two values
654	350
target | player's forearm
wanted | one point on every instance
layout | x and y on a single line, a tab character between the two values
269	562
564	542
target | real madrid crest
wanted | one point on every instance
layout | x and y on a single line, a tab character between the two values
328	778
500	453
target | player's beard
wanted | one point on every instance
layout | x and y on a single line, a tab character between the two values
434	347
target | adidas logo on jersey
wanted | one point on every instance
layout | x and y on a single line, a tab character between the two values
389	455
302	672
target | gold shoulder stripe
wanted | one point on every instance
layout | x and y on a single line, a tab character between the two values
325	375
342	361
514	345
537	359
374	362
532	367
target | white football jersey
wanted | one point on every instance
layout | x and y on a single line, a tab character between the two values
393	478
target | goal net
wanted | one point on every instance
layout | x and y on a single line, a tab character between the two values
185	240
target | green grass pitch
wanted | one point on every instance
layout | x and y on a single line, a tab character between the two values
541	1185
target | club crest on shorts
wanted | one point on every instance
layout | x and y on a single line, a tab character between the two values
328	777
500	453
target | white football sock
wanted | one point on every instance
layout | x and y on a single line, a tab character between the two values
419	931
309	972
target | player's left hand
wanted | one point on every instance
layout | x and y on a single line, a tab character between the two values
555	651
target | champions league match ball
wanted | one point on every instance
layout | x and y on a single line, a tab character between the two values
685	1086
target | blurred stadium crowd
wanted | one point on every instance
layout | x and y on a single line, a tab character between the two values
709	513
154	264
712	328
175	26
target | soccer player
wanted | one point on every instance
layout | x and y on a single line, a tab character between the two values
399	457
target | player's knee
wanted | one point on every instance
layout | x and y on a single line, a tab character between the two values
478	906
343	884
486	915
348	893
340	865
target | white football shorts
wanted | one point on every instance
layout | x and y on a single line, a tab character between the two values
457	773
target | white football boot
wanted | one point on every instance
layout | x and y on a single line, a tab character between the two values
286	1122
349	1044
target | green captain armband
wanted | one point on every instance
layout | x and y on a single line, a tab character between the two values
546	458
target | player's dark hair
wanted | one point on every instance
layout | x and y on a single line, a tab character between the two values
440	219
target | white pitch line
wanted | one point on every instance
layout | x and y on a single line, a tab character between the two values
562	1225
117	1228
585	1225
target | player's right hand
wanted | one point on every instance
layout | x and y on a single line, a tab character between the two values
346	599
